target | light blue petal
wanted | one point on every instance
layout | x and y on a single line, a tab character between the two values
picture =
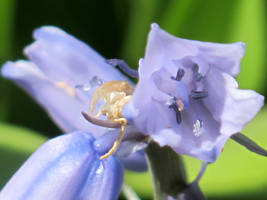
64	109
62	57
135	161
201	128
131	153
162	45
60	62
233	108
66	167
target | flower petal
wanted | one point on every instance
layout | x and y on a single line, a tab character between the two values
205	145
67	167
158	121
233	108
196	112
226	57
63	107
62	57
61	62
130	153
163	48
135	161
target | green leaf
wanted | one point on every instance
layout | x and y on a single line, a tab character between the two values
16	145
142	14
249	144
140	182
7	8
166	169
249	25
6	36
192	192
128	193
199	20
176	13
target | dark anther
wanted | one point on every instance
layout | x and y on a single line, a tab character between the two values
123	66
196	74
179	75
177	113
198	94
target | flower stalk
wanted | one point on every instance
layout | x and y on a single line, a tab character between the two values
167	171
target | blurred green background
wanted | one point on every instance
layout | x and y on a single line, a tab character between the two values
118	29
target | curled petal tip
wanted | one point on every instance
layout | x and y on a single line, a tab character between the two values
141	60
154	26
242	44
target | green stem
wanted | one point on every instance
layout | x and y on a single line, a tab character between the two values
128	193
167	171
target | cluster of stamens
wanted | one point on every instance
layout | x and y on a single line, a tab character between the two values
177	105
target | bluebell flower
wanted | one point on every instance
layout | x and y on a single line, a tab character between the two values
62	74
67	167
187	96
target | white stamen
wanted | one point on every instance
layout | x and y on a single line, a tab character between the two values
198	127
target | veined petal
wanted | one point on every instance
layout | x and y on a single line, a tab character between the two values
206	143
58	63
233	108
66	167
62	62
130	153
162	48
63	104
62	57
187	97
226	57
135	161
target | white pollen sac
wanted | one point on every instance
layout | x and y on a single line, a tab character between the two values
94	82
198	127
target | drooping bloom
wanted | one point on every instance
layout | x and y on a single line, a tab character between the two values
187	96
67	167
61	75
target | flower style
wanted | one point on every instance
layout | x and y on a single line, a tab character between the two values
187	96
61	75
67	167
